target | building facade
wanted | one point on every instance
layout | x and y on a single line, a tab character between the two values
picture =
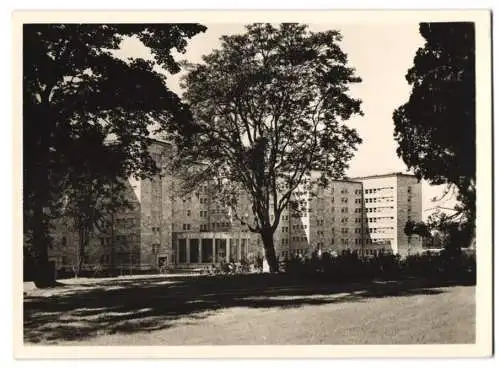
331	221
163	227
391	200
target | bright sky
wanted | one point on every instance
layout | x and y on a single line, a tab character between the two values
381	55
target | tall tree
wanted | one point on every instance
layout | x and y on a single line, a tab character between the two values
270	106
435	129
94	190
73	85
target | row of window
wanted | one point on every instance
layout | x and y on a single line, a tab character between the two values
379	241
343	241
332	209
304	239
379	200
204	213
378	209
321	222
382	230
284	229
377	190
377	219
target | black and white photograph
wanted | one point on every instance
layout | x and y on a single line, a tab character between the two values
241	179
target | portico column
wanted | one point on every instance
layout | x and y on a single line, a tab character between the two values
240	257
228	242
200	259
188	250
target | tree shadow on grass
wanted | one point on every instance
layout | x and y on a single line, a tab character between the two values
128	306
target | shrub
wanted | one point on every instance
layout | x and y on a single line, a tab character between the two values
350	266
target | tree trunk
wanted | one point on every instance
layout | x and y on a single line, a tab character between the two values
113	268
269	252
81	251
43	275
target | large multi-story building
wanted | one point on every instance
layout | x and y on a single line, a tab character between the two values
391	200
330	221
163	227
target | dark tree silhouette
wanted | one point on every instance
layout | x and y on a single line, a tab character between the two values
93	191
435	129
270	104
74	87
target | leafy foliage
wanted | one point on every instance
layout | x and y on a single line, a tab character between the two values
452	235
77	92
94	192
270	104
350	266
418	228
435	129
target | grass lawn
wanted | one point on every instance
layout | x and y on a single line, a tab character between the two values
253	309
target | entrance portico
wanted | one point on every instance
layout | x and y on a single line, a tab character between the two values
210	247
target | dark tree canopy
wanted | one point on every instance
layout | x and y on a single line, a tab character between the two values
271	105
435	129
77	93
416	228
93	191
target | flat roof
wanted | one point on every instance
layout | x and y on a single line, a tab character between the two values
348	180
383	176
316	173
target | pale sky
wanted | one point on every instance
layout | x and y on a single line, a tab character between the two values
381	55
